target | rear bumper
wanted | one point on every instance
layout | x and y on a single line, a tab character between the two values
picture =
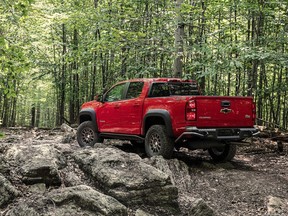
231	134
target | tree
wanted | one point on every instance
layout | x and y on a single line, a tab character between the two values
179	41
75	49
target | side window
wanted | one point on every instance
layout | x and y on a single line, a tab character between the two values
183	89
159	90
115	94
134	90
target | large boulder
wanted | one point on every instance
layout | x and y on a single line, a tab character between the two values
177	170
4	168
200	208
7	191
85	197
127	178
180	176
36	163
78	200
69	133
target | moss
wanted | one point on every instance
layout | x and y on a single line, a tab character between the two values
2	135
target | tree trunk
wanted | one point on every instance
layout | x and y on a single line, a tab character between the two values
5	112
202	32
179	35
63	77
37	117
33	112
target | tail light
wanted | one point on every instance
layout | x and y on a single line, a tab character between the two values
191	110
253	111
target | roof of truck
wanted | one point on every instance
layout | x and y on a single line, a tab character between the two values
167	79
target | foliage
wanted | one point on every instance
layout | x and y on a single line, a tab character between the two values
2	135
54	55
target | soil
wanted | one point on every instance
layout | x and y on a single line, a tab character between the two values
240	187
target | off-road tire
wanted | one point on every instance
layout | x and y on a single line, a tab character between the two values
157	142
87	135
222	154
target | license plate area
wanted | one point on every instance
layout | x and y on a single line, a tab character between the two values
227	132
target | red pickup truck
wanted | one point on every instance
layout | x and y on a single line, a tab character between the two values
166	114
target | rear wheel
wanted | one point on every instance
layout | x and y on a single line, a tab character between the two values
86	134
157	142
221	154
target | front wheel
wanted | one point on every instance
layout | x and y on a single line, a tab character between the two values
86	134
221	154
157	142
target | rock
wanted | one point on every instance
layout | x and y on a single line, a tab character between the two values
127	178
71	178
180	176
277	206
38	188
7	191
176	169
69	133
66	128
36	163
68	137
12	139
140	212
24	208
85	197
4	168
79	200
200	208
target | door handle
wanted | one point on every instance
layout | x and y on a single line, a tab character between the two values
136	104
117	106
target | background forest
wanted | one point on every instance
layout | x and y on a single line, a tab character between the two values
56	54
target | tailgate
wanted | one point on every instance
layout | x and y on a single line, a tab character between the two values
224	111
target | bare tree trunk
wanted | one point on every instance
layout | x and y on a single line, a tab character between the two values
202	32
37	117
238	72
179	35
74	83
5	111
63	77
33	112
260	96
278	108
285	105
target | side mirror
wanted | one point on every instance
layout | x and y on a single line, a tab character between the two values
100	97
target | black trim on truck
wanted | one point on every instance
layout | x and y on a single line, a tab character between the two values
121	136
88	114
163	114
229	134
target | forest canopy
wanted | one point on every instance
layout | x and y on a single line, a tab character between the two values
54	55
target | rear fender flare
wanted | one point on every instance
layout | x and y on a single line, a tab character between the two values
164	114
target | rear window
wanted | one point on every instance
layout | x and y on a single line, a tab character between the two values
173	88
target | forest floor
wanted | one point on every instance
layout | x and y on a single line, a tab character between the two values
245	186
248	184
